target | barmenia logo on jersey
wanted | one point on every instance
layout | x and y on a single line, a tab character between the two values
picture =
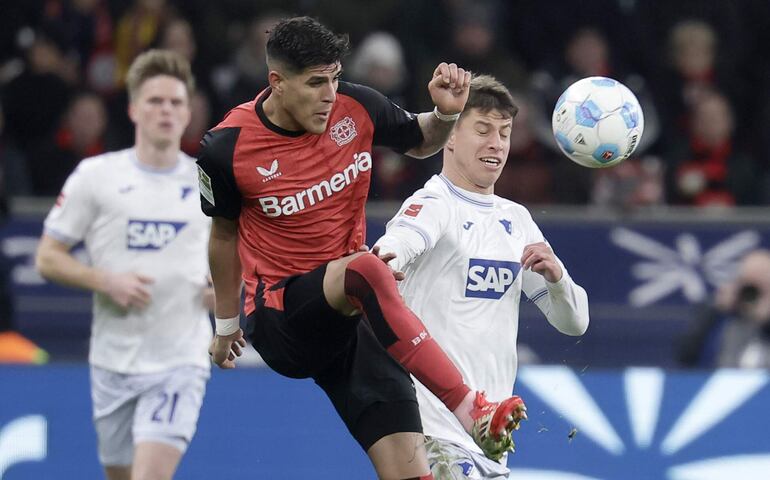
289	205
151	234
490	278
343	132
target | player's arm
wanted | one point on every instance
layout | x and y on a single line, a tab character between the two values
399	248
225	265
67	223
405	132
414	230
221	200
449	90
547	283
55	262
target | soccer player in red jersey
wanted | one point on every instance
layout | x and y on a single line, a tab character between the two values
285	178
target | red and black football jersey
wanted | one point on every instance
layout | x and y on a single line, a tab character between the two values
299	198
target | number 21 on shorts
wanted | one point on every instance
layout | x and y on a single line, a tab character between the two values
164	412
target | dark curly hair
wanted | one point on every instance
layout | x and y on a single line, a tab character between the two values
302	42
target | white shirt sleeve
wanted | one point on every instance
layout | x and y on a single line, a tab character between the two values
564	303
75	208
415	229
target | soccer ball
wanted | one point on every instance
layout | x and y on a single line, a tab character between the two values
597	122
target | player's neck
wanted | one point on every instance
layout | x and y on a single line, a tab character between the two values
461	181
279	116
157	157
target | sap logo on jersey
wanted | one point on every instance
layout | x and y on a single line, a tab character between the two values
151	234
490	278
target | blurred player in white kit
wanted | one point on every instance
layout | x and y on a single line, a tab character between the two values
467	255
138	214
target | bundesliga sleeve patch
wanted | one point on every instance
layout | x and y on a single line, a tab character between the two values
204	185
413	210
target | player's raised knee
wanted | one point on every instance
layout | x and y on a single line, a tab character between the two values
367	273
370	266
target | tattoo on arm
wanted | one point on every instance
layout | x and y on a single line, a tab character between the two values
435	133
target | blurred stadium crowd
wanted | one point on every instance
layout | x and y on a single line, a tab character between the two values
700	69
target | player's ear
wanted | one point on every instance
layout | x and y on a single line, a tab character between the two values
450	143
275	80
131	111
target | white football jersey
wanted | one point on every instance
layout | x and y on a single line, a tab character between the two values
461	254
136	219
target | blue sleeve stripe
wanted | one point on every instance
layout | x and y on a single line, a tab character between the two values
60	236
538	295
425	236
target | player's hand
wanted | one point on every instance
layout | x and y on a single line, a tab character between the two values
540	259
449	88
128	290
224	350
386	258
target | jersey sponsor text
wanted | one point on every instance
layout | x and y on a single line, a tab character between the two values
490	278
275	207
151	234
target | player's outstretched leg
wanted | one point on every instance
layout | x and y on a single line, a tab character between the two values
370	287
364	282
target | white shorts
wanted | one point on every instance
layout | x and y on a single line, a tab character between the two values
451	461
158	407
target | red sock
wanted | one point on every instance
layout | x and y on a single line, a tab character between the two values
370	286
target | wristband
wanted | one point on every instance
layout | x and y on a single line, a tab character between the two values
444	117
227	326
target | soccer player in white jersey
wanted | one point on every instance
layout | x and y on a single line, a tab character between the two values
138	214
466	255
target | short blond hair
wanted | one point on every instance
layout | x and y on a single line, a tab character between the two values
154	63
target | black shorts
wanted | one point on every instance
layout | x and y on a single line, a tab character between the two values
372	393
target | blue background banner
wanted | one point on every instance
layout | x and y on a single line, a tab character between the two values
589	420
643	279
638	423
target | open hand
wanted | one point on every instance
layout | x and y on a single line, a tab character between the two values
386	258
224	350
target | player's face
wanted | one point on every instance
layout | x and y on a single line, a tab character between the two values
479	148
161	111
308	97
